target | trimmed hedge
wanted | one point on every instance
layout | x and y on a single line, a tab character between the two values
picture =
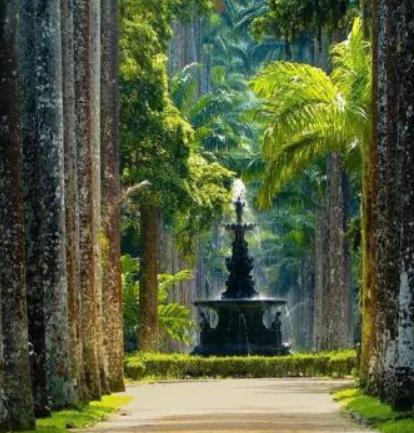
164	367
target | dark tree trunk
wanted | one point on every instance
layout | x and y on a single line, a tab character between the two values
393	357
389	216
51	263
369	295
339	282
84	98
306	310
319	293
399	145
148	293
95	69
16	382
110	179
72	199
3	411
33	193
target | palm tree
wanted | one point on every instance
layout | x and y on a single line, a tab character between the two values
306	114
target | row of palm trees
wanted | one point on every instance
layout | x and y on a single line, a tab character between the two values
61	334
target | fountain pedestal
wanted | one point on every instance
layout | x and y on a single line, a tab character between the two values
241	329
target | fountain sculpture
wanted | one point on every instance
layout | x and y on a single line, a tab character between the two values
240	310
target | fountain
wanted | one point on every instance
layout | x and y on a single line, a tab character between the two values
241	310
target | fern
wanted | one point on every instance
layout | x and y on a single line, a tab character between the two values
175	319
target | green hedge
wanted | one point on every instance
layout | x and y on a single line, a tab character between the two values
162	367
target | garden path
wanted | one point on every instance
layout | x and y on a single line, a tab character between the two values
225	406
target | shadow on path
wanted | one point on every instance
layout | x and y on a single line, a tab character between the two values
255	406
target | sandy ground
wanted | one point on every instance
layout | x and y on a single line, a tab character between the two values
255	406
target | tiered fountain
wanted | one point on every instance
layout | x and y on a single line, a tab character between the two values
240	309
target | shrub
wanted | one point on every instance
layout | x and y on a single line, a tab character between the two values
161	367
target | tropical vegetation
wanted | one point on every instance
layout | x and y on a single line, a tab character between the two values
126	130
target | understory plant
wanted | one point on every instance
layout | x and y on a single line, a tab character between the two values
175	319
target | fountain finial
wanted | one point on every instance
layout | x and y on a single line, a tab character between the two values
239	205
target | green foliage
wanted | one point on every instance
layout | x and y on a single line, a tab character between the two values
160	367
175	319
209	193
157	142
184	86
288	18
306	113
82	416
155	138
187	9
380	415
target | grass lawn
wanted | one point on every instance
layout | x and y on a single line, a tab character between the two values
82	416
378	414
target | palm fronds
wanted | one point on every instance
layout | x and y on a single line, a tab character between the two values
184	85
305	113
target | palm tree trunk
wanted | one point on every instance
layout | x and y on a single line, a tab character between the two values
33	194
308	283
339	287
72	199
97	223
44	182
319	298
393	358
83	32
369	295
52	262
148	293
3	411
110	179
369	217
16	382
400	24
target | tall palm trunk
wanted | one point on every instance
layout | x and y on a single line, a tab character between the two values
393	357
45	213
83	32
369	292
339	283
72	199
33	193
97	223
148	288
50	148
110	178
319	281
16	382
369	295
401	22
307	282
3	410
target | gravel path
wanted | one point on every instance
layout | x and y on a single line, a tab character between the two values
255	406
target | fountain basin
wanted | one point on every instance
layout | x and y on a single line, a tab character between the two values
241	302
240	330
